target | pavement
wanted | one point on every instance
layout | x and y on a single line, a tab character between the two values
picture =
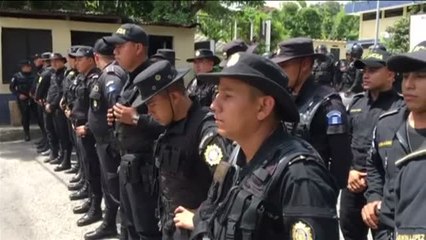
34	199
11	133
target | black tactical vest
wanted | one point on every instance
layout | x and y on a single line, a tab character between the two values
184	177
82	91
246	211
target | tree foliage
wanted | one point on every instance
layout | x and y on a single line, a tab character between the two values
399	36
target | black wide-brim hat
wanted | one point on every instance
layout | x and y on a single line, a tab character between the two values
57	56
409	62
295	48
205	54
262	74
156	78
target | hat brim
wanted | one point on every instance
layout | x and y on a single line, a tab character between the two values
361	64
409	62
215	59
280	59
281	95
139	100
114	39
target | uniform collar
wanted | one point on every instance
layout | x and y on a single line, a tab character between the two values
180	126
268	146
383	96
139	69
305	91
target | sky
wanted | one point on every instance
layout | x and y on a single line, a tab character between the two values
276	4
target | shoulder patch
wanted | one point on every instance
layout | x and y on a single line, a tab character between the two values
334	117
302	231
213	154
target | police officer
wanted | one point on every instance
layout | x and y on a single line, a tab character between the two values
53	98
66	106
40	96
399	142
165	54
364	111
103	96
352	78
43	144
136	132
323	69
20	86
188	151
203	62
88	74
323	120
275	186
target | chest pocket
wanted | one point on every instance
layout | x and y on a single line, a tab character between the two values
171	159
95	97
81	91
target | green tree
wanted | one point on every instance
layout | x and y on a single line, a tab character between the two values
399	36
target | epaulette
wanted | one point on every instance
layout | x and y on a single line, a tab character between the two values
94	75
355	98
110	69
410	157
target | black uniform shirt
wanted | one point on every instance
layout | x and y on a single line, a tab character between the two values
327	130
54	94
21	83
364	113
417	138
139	138
301	204
389	144
43	83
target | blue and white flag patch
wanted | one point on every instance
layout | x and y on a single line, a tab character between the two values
334	117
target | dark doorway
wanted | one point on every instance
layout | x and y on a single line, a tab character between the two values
86	38
157	42
19	44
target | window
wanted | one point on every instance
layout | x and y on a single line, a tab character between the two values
157	42
394	12
19	44
86	38
370	16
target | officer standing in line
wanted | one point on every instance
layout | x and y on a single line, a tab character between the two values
399	139
275	186
53	99
364	111
323	120
103	96
352	78
203	62
66	106
43	144
165	54
89	74
136	132
323	70
189	150
40	96
20	86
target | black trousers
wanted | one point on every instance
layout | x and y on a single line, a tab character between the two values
40	120
137	204
90	161
351	224
52	137
61	128
27	108
109	157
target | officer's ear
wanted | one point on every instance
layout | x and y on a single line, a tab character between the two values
266	107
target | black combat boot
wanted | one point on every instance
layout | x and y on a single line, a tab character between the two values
94	214
66	162
83	208
58	159
108	228
76	186
80	194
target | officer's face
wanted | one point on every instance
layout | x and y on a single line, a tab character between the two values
84	64
203	65
293	70
377	79
57	64
38	62
413	89
128	55
26	68
159	107
236	109
71	62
